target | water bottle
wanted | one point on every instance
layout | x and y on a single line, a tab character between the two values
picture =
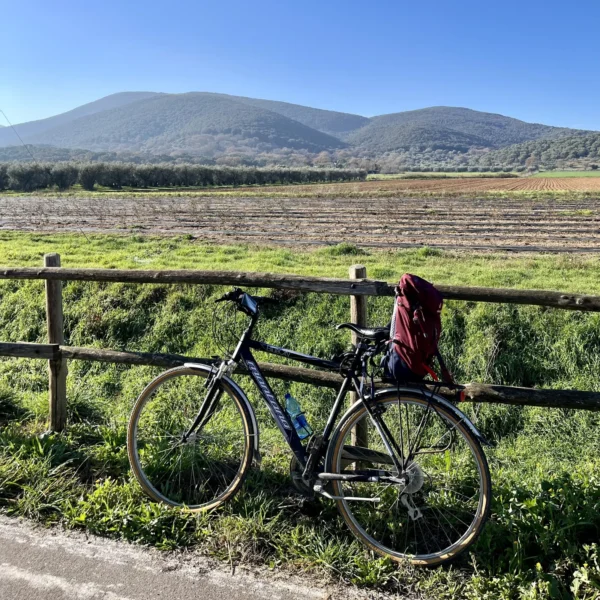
297	416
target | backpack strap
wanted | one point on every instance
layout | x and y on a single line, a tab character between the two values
431	372
446	375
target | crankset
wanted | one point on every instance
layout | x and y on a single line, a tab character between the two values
298	482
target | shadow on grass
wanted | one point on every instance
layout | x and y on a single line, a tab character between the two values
547	524
10	408
82	479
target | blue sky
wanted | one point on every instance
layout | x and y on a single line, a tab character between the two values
537	61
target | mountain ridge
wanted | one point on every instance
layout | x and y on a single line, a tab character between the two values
180	120
32	128
242	130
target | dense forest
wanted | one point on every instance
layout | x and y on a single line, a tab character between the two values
217	129
583	150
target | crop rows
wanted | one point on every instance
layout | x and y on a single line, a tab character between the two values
448	186
486	224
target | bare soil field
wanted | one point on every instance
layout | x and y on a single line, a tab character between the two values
489	223
446	186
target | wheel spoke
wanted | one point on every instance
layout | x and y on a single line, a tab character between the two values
442	493
207	466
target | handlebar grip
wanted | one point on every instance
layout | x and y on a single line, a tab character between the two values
235	294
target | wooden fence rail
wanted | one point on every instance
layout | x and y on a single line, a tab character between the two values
358	288
325	285
474	392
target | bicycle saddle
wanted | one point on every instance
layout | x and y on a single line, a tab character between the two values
378	333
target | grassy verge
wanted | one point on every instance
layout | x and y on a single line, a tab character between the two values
567	174
542	538
441	175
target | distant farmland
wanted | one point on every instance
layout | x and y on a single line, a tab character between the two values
568	174
335	214
449	186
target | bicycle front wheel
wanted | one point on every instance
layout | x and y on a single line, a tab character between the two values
435	505
210	466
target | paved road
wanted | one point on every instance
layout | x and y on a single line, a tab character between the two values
40	564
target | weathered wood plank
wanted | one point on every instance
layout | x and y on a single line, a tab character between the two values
474	392
358	315
266	280
479	392
128	358
29	350
329	285
284	372
513	296
57	368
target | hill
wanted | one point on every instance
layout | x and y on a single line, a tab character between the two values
52	154
549	153
448	127
414	136
195	123
236	130
328	121
34	128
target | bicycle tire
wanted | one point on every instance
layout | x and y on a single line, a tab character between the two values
235	405
335	464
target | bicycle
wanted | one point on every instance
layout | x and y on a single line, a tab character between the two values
419	490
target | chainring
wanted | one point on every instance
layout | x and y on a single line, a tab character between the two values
297	481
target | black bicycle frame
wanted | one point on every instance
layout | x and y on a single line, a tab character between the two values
279	414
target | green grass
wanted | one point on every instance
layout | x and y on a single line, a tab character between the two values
542	540
574	273
434	175
567	174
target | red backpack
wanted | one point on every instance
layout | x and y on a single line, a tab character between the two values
416	326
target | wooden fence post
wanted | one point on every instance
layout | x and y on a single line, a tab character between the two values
358	316
57	369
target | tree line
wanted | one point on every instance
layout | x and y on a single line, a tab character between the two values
549	153
27	177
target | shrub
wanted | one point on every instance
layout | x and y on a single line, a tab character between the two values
31	176
89	174
3	176
64	175
27	177
117	175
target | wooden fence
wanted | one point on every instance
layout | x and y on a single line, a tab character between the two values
358	287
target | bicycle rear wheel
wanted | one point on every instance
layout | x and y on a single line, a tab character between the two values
210	466
441	499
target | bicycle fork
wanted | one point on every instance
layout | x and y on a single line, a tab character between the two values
211	400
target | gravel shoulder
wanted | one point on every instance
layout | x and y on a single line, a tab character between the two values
49	564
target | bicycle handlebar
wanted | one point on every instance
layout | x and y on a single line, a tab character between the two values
236	294
245	302
232	296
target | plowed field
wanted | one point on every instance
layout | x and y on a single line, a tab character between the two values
450	186
556	224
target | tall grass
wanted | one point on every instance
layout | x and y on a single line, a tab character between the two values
542	541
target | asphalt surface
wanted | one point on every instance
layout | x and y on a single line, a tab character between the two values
47	564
